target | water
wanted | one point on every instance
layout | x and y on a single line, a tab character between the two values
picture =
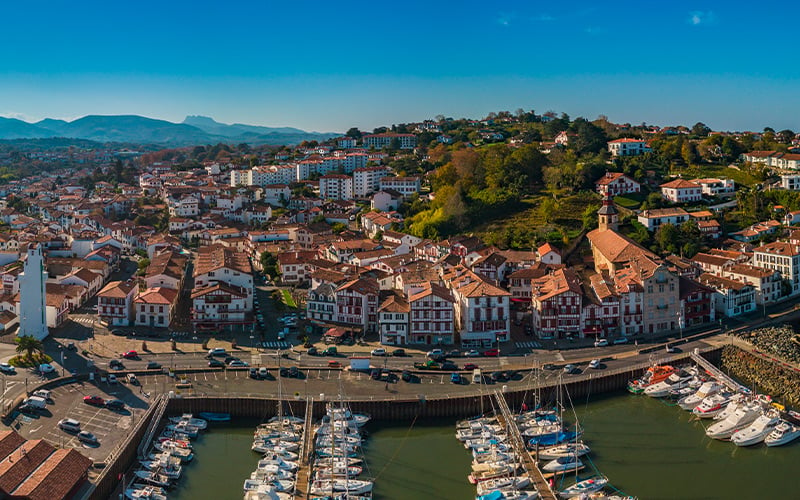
646	448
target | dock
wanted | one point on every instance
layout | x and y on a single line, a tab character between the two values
717	373
506	419
305	455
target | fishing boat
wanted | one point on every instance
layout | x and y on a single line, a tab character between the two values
153	478
214	417
562	450
676	380
784	432
146	493
584	487
563	464
758	430
156	489
707	389
191	420
653	375
744	414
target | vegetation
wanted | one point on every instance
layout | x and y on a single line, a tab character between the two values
30	352
288	299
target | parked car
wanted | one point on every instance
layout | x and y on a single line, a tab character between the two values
330	351
253	373
215	363
238	363
375	374
399	353
130	355
571	369
71	346
94	400
470	366
264	374
449	365
492	353
594	364
44	394
69	425
455	353
217	351
87	437
295	372
601	343
472	353
152	365
6	368
548	366
672	349
406	376
620	340
312	351
333	363
378	352
46	368
115	404
455	378
435	353
131	377
117	331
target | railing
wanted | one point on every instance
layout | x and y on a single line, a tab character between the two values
161	406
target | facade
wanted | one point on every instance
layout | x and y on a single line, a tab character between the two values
653	219
115	303
32	312
406	186
617	183
731	297
357	304
336	187
782	257
790	182
681	191
385	140
715	187
766	282
628	147
155	307
321	303
432	315
220	306
367	180
556	305
482	314
393	316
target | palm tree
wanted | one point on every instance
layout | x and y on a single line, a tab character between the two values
29	345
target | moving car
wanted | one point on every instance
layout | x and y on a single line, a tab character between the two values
594	364
601	343
433	353
6	368
238	363
130	355
116	364
492	353
217	351
94	400
112	379
620	340
472	353
215	363
46	368
399	353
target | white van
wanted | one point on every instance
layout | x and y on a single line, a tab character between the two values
36	402
477	376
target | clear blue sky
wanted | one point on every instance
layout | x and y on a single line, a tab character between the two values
332	65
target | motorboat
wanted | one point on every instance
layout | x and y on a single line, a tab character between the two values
174	436
339	471
509	494
170	471
332	462
146	493
734	403
479	421
563	464
350	486
758	430
277	434
653	375
284	485
184	454
562	450
266	492
584	487
155	489
541	430
270	472
344	415
707	389
184	428
490	470
483	442
518	482
740	418
473	432
338	440
783	433
191	420
712	406
214	417
153	478
676	380
275	460
165	458
492	447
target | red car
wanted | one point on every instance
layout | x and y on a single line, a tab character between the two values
492	353
470	366
94	400
130	355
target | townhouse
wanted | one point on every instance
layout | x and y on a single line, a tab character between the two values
393	318
431	315
155	307
115	303
783	257
556	305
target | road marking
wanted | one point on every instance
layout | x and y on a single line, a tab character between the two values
35	429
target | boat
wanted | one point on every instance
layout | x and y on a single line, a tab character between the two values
275	460
214	417
353	440
170	471
677	380
184	454
653	375
509	494
168	435
783	433
540	430
344	415
156	489
184	428
479	421
584	487
349	486
190	419
740	418
270	472
562	450
164	457
490	470
490	485
338	470
153	478
328	462
267	492
563	464
758	430
472	432
707	389
146	493
286	419
733	404
553	439
268	445
712	406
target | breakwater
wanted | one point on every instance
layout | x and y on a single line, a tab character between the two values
779	380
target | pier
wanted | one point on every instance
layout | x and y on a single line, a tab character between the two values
305	455
717	373
506	419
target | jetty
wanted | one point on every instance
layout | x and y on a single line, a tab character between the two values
717	373
305	454
506	419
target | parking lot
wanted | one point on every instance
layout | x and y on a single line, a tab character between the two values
109	426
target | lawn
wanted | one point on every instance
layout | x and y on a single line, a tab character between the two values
740	177
288	299
631	201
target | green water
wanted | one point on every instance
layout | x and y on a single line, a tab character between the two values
645	447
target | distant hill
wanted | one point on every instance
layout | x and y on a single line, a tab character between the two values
141	130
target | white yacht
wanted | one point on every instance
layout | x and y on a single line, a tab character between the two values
562	464
349	486
743	415
713	405
490	485
191	420
783	433
146	493
707	389
562	450
584	487
677	380
758	430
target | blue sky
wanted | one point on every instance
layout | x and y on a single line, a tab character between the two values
332	65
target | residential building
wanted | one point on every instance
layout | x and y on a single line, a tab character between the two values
115	303
357	304
482	314
385	140
432	315
731	297
218	264
406	186
790	182
336	187
155	307
766	282
221	305
681	191
393	316
556	304
655	218
367	180
548	254
697	303
782	257
715	187
617	183
321	304
628	147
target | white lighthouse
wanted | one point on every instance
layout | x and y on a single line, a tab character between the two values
32	313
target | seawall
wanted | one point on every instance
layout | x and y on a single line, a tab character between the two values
773	377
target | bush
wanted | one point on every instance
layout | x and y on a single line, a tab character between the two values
24	362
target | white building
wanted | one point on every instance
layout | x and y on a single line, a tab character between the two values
782	257
731	297
336	187
368	180
653	219
681	191
482	314
32	313
403	185
115	303
617	183
628	147
715	187
790	181
379	141
155	307
393	319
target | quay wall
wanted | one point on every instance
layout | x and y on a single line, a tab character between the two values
773	377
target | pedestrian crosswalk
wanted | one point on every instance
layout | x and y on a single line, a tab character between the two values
276	345
529	345
86	320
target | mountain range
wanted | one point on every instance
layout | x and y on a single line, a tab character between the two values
194	130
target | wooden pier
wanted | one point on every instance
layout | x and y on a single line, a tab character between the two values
305	460
506	419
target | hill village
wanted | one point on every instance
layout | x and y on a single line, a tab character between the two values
326	222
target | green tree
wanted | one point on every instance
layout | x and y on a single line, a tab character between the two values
548	209
700	129
667	238
29	345
354	133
